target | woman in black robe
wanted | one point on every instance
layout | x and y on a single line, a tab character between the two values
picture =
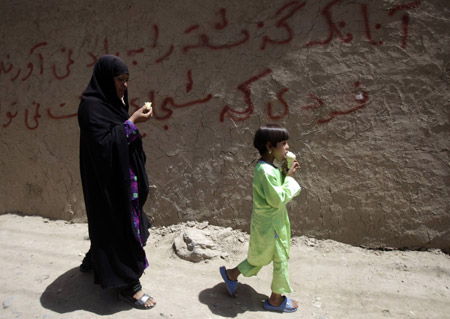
115	184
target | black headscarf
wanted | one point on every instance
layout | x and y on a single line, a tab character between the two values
105	160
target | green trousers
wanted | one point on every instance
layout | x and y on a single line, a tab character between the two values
280	281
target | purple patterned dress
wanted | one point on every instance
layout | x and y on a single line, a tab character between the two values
132	134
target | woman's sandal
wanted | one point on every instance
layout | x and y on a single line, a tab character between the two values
137	303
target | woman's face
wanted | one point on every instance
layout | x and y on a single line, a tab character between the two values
279	152
121	82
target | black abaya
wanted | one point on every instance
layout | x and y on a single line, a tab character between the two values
117	256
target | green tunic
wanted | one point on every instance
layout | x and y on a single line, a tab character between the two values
270	221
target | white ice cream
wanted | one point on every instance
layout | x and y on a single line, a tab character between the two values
290	158
148	106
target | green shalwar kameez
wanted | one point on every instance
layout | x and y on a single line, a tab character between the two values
270	230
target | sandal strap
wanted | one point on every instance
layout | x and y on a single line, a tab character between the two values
143	300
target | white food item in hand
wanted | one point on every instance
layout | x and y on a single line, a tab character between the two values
148	106
290	158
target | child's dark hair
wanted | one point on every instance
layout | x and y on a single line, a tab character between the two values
272	133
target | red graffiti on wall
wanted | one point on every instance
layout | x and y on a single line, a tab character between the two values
60	117
169	100
191	28
288	11
317	104
36	117
155	43
133	52
205	42
223	19
166	55
283	103
15	77
367	26
130	53
335	29
41	60
244	88
190	81
205	36
162	111
361	97
283	14
67	66
405	18
282	25
6	67
156	35
10	115
32	115
105	51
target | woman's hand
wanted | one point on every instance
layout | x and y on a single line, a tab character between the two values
141	115
295	166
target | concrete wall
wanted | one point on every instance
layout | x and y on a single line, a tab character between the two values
362	86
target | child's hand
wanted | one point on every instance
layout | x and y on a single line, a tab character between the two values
295	166
141	115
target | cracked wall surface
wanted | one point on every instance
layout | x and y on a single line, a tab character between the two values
362	86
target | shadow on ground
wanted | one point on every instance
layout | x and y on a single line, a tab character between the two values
220	303
75	290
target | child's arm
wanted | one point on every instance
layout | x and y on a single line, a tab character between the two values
276	191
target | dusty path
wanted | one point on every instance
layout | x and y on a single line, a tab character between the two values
39	278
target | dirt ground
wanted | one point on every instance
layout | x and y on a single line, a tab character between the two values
39	278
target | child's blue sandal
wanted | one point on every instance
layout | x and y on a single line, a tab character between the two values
231	285
286	306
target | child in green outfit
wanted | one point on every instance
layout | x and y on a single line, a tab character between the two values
270	231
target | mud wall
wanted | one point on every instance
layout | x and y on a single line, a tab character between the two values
362	86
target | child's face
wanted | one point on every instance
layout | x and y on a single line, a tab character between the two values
279	152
